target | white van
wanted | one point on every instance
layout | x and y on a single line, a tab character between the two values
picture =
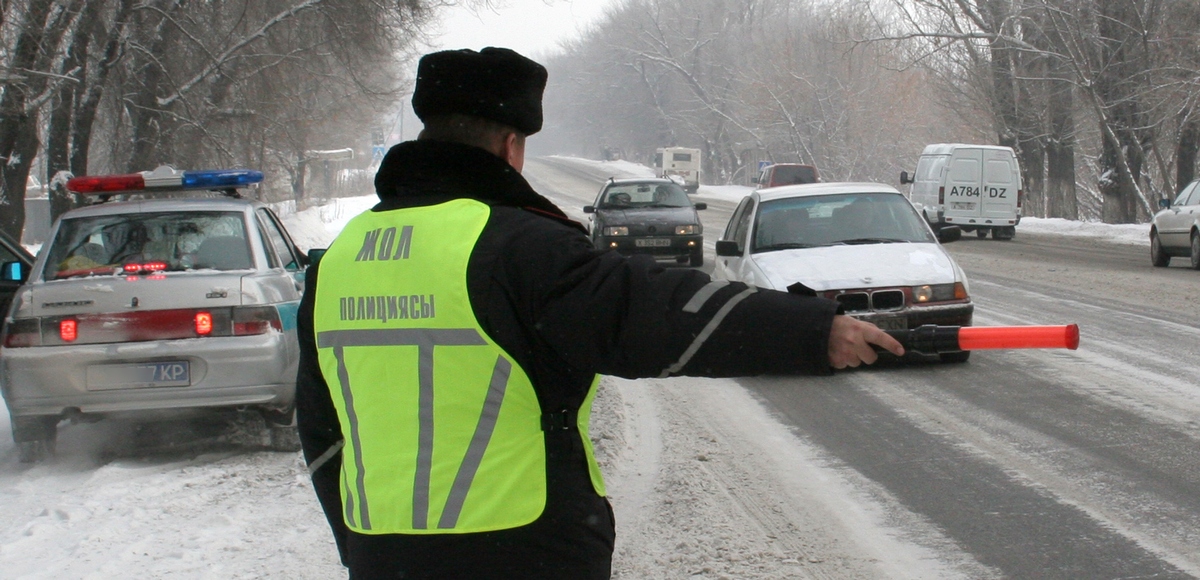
975	187
683	162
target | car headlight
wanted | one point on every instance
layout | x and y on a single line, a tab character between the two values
939	293
688	230
616	231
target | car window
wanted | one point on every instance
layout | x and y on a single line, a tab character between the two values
791	174
638	195
279	243
737	216
930	168
1189	195
180	241
837	219
742	223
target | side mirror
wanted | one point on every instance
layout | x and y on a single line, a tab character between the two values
754	179
947	234
701	205
14	272
904	180
1164	203
728	248
315	254
589	209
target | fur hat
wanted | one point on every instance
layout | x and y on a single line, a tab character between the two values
496	84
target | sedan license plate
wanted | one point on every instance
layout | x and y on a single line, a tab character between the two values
652	243
138	375
894	323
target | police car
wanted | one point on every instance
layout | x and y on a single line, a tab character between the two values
155	306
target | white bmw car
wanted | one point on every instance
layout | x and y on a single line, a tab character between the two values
861	244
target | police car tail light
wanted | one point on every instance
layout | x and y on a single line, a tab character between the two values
248	320
22	332
68	330
204	323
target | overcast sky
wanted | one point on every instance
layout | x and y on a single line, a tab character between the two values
530	27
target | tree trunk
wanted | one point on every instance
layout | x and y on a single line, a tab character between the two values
151	144
86	109
1127	135
1061	198
1185	152
18	126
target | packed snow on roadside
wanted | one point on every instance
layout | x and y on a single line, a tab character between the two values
685	461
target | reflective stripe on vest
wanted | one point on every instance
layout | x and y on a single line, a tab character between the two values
443	431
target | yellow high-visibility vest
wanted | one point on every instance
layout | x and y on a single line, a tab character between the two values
443	430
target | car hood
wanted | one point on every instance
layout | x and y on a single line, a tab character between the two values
650	215
859	266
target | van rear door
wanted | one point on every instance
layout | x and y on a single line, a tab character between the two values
964	182
1001	181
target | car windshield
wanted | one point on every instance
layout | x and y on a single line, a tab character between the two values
789	174
862	218
637	195
172	241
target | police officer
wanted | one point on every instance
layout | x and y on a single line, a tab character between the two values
452	338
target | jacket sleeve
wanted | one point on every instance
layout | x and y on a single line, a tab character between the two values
633	318
317	420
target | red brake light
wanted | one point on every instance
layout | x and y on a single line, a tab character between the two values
1020	198
204	323
941	195
68	330
133	268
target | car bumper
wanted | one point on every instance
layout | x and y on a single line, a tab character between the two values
250	370
665	246
914	316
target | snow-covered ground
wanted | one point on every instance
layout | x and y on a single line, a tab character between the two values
220	510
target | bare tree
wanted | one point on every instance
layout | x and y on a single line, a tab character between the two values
241	82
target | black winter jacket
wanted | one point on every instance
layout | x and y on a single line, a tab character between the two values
564	311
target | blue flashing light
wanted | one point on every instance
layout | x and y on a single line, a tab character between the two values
220	179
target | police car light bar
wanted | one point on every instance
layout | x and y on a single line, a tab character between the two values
164	178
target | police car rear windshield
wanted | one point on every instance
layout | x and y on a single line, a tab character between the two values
167	241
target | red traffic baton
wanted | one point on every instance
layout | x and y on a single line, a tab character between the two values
933	339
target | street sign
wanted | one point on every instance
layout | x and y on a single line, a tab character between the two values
377	152
763	165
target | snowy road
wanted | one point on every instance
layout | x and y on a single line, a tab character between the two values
1019	464
1036	464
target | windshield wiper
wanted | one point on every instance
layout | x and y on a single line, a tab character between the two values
784	246
860	241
